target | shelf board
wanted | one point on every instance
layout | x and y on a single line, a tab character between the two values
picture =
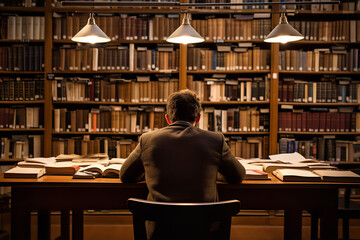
226	11
21	129
115	9
226	71
136	134
320	72
97	133
106	103
319	133
322	42
21	41
320	104
21	72
245	133
22	102
117	42
23	9
115	72
235	103
327	12
14	160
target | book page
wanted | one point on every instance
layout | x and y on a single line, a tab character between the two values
94	167
290	158
41	160
296	172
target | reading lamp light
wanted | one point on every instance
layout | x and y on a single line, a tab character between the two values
91	33
283	32
185	33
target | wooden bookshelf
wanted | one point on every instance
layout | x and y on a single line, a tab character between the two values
22	129
274	74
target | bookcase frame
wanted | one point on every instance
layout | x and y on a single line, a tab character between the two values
274	72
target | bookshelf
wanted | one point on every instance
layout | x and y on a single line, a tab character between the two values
229	33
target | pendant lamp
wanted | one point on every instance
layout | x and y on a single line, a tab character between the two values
283	32
91	33
185	33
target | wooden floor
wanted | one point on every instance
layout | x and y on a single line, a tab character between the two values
261	225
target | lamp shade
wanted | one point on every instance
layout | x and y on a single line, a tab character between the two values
91	33
283	32
185	33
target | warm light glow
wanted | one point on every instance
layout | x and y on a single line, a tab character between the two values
185	40
283	39
90	39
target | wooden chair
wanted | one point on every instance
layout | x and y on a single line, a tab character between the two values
183	220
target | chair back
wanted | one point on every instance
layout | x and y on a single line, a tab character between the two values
183	220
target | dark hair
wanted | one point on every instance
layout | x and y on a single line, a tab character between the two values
183	106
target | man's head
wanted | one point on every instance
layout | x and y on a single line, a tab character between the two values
183	106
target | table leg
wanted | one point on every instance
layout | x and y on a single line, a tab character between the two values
77	224
292	224
329	224
43	225
65	225
20	216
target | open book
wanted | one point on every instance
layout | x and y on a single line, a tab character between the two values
298	175
22	172
112	170
338	176
256	175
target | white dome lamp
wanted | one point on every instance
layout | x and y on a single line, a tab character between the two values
283	32
185	33
91	33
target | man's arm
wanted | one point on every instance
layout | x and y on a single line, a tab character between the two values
230	168
132	169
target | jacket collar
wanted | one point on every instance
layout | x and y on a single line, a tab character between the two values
181	123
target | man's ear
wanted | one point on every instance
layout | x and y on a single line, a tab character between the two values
197	119
167	119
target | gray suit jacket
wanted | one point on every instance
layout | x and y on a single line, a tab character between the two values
181	163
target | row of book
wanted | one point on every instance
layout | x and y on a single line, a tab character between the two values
333	120
326	148
351	5
234	120
241	27
114	89
119	27
21	117
341	90
228	58
22	58
21	88
322	59
21	146
223	89
251	147
22	3
329	30
116	58
113	147
234	7
109	119
22	28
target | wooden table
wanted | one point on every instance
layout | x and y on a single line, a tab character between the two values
54	193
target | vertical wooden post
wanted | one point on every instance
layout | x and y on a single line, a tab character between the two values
47	83
274	86
183	58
